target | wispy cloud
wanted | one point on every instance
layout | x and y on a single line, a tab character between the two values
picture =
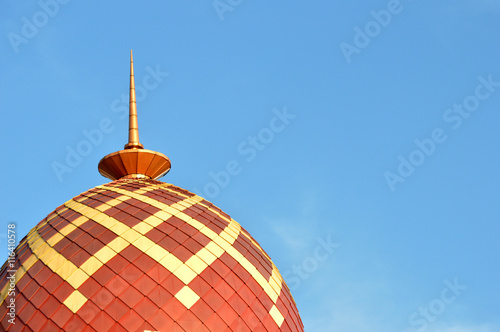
293	236
471	328
462	328
300	233
484	5
471	6
357	320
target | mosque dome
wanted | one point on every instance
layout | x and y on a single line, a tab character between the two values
137	254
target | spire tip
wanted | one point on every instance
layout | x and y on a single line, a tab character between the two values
133	131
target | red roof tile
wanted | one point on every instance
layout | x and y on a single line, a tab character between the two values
96	265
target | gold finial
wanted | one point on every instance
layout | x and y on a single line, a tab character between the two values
134	161
133	127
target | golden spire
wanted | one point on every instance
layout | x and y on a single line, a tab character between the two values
133	127
134	162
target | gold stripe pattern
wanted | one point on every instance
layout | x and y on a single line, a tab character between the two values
186	272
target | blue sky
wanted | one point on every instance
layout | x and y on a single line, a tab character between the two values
357	141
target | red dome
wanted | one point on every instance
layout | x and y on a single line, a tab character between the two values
143	255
